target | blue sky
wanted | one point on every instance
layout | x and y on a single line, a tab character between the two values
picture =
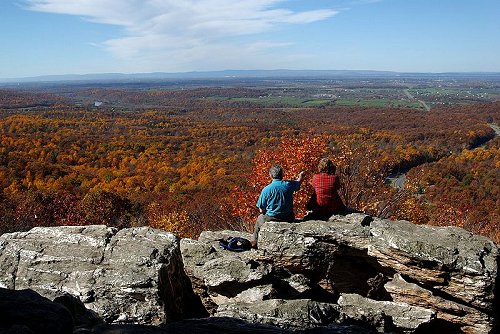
40	37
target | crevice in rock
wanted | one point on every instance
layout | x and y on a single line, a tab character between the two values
176	293
232	289
16	270
367	220
107	243
356	272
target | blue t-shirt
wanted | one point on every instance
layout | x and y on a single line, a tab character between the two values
276	199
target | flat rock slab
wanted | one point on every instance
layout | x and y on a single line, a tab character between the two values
386	316
289	314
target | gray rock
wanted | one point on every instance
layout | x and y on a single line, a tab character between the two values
43	259
232	273
255	294
25	311
417	278
196	253
225	325
219	275
132	275
467	319
385	315
289	314
329	253
298	247
299	283
353	218
451	260
305	246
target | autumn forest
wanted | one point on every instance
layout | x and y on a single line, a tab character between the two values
195	158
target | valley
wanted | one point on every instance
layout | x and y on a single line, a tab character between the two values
191	155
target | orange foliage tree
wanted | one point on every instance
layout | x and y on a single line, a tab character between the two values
294	154
463	190
363	160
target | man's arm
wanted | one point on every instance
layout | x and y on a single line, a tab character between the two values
300	178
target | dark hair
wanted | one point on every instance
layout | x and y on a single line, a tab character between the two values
326	166
276	172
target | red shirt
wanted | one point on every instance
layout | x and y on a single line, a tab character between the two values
326	200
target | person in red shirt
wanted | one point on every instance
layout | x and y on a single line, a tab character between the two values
325	200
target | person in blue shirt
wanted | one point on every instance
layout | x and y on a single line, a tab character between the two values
275	202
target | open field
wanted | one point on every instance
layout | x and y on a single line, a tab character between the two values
403	92
287	101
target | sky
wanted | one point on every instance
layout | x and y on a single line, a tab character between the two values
50	37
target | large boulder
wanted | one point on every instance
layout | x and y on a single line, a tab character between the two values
219	275
386	316
450	260
446	270
331	253
232	272
306	247
464	318
222	276
132	276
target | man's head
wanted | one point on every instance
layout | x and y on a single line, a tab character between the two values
276	172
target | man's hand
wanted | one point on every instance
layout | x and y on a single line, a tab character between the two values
301	176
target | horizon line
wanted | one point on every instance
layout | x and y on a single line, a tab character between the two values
183	74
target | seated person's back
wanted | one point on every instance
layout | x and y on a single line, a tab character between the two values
325	200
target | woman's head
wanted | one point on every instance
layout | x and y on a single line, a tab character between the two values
326	166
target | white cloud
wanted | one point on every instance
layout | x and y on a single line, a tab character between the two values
176	34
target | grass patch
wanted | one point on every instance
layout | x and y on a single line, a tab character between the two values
288	101
362	102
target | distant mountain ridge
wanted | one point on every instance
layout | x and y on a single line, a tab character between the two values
227	74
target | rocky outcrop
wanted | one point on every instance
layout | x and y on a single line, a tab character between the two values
391	276
351	274
129	276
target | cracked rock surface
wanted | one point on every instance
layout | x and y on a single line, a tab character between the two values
131	276
350	274
390	276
